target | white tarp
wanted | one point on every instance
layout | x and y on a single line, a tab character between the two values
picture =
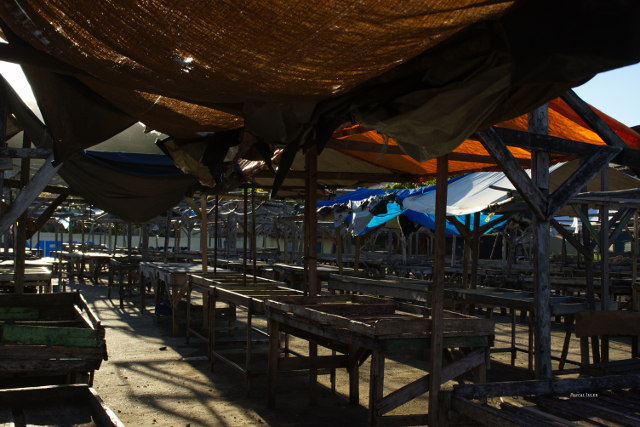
471	193
467	195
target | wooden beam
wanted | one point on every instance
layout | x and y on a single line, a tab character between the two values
585	220
594	121
344	176
537	123
571	239
518	177
28	194
24	153
55	189
438	290
44	216
583	175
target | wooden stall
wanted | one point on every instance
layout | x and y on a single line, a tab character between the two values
59	405
229	289
356	326
50	334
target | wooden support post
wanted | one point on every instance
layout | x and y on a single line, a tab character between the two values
254	250
314	288
145	242
21	241
129	238
204	243
356	263
245	229
438	290
215	239
634	266
475	252
285	233
167	231
453	250
604	258
376	386
465	256
538	124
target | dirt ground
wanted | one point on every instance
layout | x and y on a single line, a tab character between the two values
146	382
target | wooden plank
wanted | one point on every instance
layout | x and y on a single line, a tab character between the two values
44	352
570	238
15	366
488	415
419	387
583	175
19	313
315	362
586	407
79	315
106	416
42	335
546	387
532	195
46	215
592	119
29	193
514	138
438	288
591	323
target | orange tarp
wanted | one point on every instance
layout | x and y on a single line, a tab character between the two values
563	123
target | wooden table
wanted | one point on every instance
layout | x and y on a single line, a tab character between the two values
169	280
129	266
39	277
295	273
97	260
395	287
229	288
524	301
356	326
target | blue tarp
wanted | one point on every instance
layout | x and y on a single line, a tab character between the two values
394	209
143	164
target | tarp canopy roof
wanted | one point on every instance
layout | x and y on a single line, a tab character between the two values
358	152
427	73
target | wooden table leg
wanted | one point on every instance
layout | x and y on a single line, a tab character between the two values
110	282
376	385
174	294
143	293
247	372
121	287
272	370
530	371
212	330
567	341
514	352
313	375
188	310
354	376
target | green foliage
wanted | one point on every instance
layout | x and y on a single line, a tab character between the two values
412	185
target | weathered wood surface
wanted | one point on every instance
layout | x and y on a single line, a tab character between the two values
65	336
375	324
58	405
560	387
590	323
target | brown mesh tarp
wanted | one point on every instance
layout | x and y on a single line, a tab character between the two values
428	73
